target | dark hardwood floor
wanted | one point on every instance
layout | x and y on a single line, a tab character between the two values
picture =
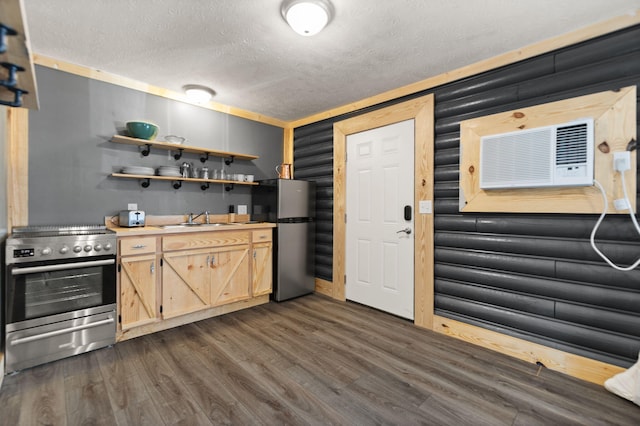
307	361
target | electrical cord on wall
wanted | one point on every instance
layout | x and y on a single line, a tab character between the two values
604	213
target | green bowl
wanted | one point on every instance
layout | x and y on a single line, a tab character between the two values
142	130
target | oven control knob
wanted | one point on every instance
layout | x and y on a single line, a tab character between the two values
46	251
88	248
64	250
97	247
77	249
107	247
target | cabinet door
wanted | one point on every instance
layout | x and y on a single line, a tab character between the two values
229	274
262	269
185	282
137	291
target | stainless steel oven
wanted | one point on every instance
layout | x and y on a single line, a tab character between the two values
60	293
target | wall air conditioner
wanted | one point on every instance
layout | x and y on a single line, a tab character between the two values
551	156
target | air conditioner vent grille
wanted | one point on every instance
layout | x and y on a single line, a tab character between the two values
557	155
571	144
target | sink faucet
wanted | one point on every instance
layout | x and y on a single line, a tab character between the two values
192	217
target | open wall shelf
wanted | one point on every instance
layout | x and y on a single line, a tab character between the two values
180	149
177	181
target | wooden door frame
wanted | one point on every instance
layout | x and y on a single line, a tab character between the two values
420	110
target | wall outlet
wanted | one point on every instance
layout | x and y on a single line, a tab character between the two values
242	209
425	207
132	206
621	161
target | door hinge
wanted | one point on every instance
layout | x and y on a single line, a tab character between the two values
120	318
345	218
161	262
119	267
160	308
345	279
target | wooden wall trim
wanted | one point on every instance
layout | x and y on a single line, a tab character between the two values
324	287
564	40
17	157
153	90
554	359
614	114
287	147
421	110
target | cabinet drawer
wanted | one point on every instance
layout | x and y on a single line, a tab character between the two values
204	239
137	245
262	235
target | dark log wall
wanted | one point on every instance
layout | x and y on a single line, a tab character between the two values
527	275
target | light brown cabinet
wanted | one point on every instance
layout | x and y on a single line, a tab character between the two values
207	269
230	274
261	265
185	282
201	274
138	282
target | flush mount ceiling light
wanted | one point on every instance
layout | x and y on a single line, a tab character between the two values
198	94
307	17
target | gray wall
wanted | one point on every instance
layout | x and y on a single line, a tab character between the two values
527	275
71	155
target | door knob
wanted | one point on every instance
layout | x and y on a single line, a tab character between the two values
405	230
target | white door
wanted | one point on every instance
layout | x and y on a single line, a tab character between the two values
379	239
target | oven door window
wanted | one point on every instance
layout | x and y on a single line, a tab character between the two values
60	287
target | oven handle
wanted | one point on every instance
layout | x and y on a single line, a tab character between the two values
62	331
61	266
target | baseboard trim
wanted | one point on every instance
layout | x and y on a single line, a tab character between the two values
324	287
573	365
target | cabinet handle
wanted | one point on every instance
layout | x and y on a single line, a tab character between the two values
213	261
153	267
254	254
139	246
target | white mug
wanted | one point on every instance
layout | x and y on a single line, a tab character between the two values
248	178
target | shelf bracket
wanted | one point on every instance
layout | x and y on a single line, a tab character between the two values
177	184
11	74
204	187
145	183
179	154
4	32
204	157
17	97
228	187
229	160
146	151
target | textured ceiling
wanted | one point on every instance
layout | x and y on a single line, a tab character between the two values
245	51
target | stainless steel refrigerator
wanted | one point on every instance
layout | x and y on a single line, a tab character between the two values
291	205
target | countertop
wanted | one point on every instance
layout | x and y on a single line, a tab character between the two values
158	230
